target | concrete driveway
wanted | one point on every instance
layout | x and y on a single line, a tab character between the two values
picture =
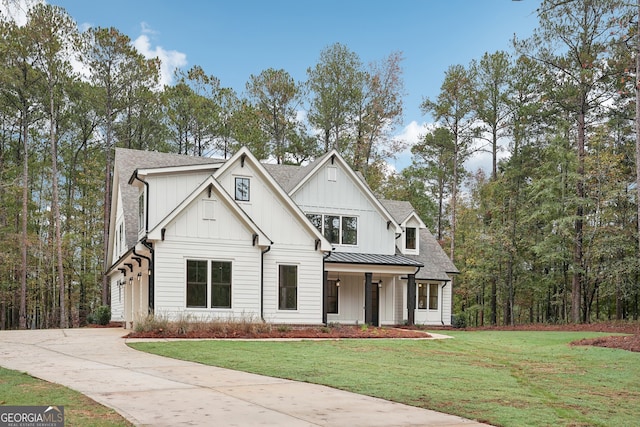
151	390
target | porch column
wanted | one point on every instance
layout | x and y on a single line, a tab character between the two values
411	299
325	296
368	296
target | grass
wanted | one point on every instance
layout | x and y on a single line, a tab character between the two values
503	378
19	389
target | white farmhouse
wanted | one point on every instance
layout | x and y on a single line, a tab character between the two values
239	239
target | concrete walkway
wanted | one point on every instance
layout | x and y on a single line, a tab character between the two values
154	391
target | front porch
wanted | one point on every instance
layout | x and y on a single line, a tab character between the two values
369	288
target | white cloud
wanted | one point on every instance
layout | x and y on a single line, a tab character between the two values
16	11
410	135
170	60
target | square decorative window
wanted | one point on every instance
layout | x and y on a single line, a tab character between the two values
196	283
410	238
220	284
332	296
422	296
242	189
349	230
288	287
433	296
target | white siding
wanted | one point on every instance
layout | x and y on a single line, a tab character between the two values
268	210
226	238
119	241
166	192
309	304
323	196
350	300
117	298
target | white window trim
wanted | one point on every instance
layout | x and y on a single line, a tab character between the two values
288	310
208	307
346	245
427	285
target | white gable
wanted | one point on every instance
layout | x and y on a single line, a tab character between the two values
332	190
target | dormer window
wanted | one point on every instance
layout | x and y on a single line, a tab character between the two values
242	189
411	238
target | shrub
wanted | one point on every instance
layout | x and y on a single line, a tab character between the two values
459	320
101	315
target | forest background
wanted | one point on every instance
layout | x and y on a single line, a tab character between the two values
549	235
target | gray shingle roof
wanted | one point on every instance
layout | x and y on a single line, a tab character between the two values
377	259
398	209
437	265
126	162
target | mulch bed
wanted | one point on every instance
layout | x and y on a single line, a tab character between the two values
629	342
291	332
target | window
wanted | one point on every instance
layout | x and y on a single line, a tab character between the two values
422	296
220	284
196	283
208	278
428	296
141	212
242	189
433	296
332	296
337	229
349	230
288	287
410	238
316	220
332	228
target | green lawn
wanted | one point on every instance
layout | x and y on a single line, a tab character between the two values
503	378
19	389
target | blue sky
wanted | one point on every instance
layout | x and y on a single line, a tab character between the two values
234	39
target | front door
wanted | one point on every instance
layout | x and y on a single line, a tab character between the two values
375	302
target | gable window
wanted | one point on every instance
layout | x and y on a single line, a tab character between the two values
206	278
242	189
332	297
196	283
141	212
428	296
337	229
288	287
410	238
220	284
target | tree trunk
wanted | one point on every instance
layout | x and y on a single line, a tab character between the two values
56	208
578	275
24	219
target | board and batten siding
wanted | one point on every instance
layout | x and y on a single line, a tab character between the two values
350	300
342	196
225	238
271	212
166	192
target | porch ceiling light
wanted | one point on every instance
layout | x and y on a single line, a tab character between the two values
130	280
338	282
139	276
